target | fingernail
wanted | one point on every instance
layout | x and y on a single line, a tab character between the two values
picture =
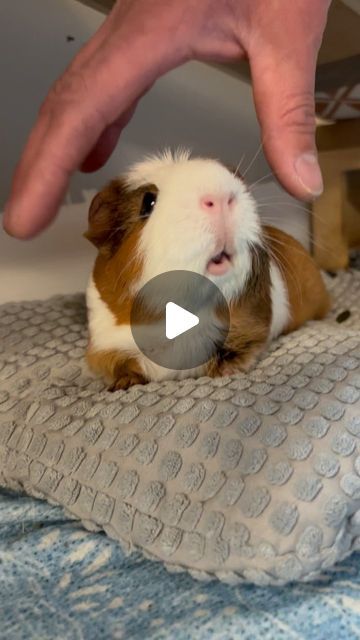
309	174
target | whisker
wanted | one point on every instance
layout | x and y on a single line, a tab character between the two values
283	203
279	242
292	205
265	177
294	224
239	165
316	244
254	158
290	231
255	248
309	234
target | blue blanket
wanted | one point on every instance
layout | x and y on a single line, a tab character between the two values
58	581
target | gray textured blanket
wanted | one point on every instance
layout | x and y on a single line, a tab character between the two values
253	477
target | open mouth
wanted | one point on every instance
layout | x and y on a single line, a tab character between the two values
219	265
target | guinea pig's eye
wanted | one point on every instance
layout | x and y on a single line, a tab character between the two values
148	204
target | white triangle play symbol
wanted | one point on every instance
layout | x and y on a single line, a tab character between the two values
178	320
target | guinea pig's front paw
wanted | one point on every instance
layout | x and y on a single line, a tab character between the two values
126	381
236	367
223	368
229	370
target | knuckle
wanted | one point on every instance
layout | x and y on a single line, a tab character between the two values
69	108
68	90
299	114
72	85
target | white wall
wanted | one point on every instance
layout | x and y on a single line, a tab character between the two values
195	105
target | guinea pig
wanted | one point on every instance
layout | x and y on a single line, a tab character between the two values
177	212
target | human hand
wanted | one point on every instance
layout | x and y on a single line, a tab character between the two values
84	113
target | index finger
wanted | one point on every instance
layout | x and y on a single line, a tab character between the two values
89	98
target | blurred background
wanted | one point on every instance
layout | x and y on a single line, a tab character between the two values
197	106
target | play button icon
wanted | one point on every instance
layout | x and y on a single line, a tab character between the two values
180	320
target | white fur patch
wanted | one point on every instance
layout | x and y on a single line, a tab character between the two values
149	169
107	335
279	301
179	234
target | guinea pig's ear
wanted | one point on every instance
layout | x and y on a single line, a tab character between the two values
107	218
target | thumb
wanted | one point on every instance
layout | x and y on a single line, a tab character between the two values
283	88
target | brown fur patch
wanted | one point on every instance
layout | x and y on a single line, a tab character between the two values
250	318
251	314
114	214
308	297
115	227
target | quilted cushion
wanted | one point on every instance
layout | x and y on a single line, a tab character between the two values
253	477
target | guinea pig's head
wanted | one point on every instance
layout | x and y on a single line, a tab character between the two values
174	212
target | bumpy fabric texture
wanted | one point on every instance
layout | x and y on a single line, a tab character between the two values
250	478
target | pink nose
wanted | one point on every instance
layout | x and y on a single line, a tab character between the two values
217	204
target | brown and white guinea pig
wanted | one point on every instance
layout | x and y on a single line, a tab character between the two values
175	212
